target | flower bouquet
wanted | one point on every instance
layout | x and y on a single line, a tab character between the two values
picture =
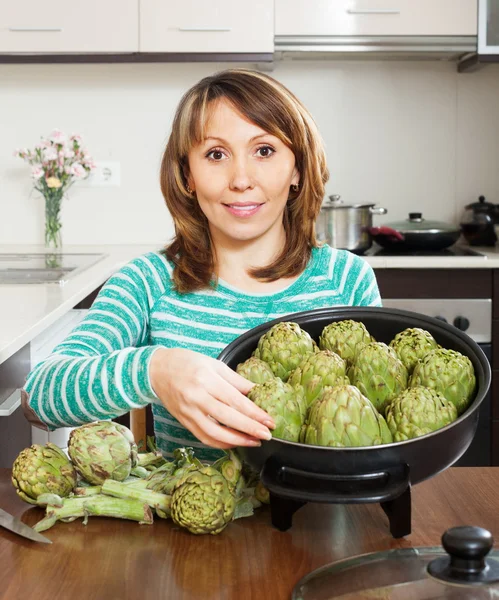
57	162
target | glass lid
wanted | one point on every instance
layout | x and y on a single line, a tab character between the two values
417	223
465	568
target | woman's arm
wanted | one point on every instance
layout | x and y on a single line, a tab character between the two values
101	370
367	291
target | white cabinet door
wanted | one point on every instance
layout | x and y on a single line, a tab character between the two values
376	17
61	26
201	26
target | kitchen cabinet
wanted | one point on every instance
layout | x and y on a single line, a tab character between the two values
196	26
376	17
58	26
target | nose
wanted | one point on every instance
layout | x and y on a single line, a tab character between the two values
241	177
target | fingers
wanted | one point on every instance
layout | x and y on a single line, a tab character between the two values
239	382
213	434
223	389
237	420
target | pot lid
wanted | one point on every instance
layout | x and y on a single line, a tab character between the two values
416	223
482	205
464	568
336	202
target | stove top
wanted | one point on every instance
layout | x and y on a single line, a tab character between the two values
455	250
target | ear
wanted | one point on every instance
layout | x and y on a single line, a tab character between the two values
189	179
295	179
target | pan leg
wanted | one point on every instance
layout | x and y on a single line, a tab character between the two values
398	512
282	511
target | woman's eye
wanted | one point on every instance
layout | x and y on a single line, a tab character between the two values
266	151
215	155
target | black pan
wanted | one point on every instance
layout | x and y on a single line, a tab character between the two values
304	473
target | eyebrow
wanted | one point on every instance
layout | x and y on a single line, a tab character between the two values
210	137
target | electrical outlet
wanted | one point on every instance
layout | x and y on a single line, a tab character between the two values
106	173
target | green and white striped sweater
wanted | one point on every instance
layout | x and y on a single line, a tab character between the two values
101	370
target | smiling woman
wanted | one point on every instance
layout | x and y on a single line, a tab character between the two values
243	177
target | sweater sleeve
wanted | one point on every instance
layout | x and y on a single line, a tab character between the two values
101	370
367	291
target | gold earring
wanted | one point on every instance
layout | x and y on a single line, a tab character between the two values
295	187
189	191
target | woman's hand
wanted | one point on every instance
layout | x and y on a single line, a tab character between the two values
208	398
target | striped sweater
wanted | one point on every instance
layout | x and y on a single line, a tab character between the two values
101	370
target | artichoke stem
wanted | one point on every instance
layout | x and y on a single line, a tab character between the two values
153	499
102	506
149	458
141	472
91	490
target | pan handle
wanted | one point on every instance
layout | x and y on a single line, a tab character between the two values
378	210
306	486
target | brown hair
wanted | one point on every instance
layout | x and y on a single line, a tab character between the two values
271	106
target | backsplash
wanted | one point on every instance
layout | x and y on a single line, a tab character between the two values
405	135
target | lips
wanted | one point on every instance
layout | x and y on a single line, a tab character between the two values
243	209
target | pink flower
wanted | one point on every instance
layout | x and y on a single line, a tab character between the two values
50	154
36	172
78	171
69	153
58	137
75	137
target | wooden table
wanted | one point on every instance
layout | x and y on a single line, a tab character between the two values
111	559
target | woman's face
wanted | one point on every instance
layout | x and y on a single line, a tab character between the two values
241	176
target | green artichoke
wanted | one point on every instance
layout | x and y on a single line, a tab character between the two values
412	344
418	411
102	450
345	338
255	370
448	372
283	404
43	470
202	502
342	416
315	372
379	374
283	347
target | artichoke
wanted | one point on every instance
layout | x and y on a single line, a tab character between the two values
345	338
255	370
379	374
412	344
342	416
43	470
325	368
283	347
448	372
418	411
102	450
202	502
283	404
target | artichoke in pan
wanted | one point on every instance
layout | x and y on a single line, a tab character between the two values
418	411
324	368
412	344
448	372
255	370
379	374
202	502
43	470
102	450
283	347
283	404
345	338
341	417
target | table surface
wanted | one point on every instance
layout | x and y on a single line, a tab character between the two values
250	560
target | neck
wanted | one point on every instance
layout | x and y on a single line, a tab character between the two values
234	259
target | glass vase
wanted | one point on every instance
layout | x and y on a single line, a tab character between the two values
53	225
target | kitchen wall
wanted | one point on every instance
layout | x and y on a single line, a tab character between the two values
405	135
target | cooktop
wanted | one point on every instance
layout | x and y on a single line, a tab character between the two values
455	250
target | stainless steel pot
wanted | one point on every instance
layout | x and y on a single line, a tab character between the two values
346	226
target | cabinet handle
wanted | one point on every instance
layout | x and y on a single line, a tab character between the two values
205	28
373	11
12	403
44	29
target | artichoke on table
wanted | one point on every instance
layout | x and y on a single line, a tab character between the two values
41	470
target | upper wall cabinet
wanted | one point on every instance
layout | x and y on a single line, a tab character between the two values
199	26
69	26
376	17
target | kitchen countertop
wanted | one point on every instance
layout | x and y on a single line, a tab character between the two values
27	310
113	559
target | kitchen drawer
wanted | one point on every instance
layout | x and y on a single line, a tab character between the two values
58	26
376	17
199	26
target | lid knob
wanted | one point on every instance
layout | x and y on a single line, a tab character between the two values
414	216
467	548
